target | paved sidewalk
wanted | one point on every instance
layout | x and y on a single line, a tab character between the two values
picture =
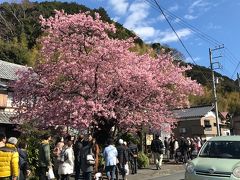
151	172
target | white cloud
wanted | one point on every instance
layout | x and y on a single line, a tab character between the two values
161	18
167	37
177	20
138	22
190	17
119	6
138	10
188	59
116	18
198	4
145	32
173	8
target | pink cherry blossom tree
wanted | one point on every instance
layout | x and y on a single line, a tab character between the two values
85	78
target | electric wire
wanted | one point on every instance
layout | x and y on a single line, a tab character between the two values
202	34
183	45
235	59
198	33
169	23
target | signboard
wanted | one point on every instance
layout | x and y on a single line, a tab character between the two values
149	138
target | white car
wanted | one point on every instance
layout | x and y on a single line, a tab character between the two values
218	159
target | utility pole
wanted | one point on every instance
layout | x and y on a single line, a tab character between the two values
238	81
214	86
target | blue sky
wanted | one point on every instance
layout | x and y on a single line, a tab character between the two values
219	19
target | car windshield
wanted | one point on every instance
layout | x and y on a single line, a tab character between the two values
221	149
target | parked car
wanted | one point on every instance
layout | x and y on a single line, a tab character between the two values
218	159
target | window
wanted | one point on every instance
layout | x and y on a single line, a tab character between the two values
221	149
207	125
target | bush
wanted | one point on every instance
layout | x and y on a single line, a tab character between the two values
143	160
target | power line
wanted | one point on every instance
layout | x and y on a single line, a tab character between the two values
234	58
210	39
199	33
174	31
207	80
194	29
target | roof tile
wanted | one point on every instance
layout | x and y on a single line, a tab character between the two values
5	117
8	70
192	112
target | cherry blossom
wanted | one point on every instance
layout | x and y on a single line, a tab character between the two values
84	77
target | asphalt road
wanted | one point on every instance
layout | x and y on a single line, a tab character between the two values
177	176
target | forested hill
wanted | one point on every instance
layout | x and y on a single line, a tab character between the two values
20	29
204	76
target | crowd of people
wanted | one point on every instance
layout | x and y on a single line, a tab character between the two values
178	149
83	157
67	157
182	148
13	159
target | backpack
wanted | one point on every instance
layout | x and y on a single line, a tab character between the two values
22	163
157	146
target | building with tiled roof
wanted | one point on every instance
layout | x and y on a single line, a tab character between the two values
192	112
5	117
198	121
8	70
8	73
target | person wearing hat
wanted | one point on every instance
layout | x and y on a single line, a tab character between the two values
9	158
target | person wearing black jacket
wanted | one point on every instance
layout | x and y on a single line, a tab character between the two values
183	147
157	148
122	158
86	167
77	162
23	161
133	157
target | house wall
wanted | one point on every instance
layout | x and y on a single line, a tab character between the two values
6	98
236	125
204	127
209	131
3	99
188	128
